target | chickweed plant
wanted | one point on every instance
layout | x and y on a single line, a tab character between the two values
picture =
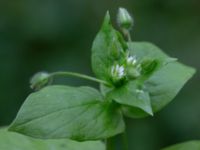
136	80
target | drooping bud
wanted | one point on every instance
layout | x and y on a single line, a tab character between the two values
39	80
124	19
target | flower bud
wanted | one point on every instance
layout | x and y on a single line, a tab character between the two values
124	19
133	73
39	80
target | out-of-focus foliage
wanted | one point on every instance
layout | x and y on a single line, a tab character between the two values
57	35
15	141
194	145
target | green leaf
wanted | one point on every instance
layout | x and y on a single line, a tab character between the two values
147	51
129	111
107	48
133	96
68	112
161	80
164	83
14	141
191	145
134	112
105	89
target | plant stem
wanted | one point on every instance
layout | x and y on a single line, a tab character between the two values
109	144
127	35
124	139
64	73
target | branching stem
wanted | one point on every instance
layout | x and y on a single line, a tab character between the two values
65	73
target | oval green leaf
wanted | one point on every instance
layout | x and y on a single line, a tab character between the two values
161	83
133	97
68	112
165	83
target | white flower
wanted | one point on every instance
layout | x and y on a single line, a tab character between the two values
118	71
131	60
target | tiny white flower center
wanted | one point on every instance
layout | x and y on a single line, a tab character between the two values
118	71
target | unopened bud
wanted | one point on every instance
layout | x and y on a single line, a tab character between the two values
39	80
124	19
134	71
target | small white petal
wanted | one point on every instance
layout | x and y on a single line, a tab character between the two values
117	71
131	60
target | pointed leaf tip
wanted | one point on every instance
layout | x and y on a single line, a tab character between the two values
106	18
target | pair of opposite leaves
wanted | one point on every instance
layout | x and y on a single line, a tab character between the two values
83	113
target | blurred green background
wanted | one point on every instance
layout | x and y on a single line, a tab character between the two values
56	35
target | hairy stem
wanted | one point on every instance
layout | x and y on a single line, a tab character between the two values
63	73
